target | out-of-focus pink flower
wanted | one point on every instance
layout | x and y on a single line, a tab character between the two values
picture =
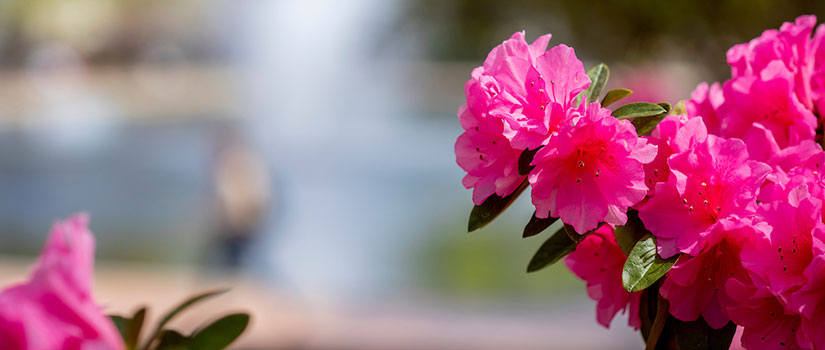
591	171
598	260
768	99
55	308
704	102
695	285
711	184
766	323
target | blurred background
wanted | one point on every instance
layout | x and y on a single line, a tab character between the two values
302	152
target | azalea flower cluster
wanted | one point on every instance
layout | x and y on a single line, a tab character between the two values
731	188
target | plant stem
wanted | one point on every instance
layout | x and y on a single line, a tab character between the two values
658	323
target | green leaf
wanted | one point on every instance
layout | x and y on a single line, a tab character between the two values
129	328
133	330
699	335
524	160
172	340
177	310
644	266
598	79
680	108
494	205
553	249
537	225
219	334
121	323
626	237
645	125
615	95
628	234
638	110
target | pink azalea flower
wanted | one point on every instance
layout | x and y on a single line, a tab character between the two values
767	323
762	146
516	100
809	300
713	183
530	88
534	89
695	285
779	259
817	80
768	99
704	102
598	260
55	308
488	158
674	134
591	172
791	45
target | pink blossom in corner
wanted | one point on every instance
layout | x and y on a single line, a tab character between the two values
809	300
591	172
766	322
694	286
55	308
704	102
598	261
713	183
767	99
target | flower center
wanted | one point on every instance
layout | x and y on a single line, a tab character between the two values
704	199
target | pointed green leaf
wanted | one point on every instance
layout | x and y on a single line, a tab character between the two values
133	330
121	323
645	125
129	328
638	110
172	340
494	205
644	266
177	310
537	225
598	79
219	334
615	95
525	159
553	249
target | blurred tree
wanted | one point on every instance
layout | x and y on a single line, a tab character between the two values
612	31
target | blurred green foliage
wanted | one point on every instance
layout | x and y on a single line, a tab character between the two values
609	31
491	262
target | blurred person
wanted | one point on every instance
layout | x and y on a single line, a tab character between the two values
242	192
